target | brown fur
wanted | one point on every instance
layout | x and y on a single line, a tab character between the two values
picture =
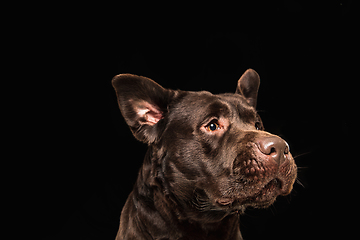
208	159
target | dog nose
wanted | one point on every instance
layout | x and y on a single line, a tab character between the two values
274	147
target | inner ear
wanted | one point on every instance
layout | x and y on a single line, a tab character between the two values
248	86
150	114
143	103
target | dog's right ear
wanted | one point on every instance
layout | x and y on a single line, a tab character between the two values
248	86
143	104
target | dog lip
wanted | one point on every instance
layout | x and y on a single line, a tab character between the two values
265	195
272	188
286	186
225	201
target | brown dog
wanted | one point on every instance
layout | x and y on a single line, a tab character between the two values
208	159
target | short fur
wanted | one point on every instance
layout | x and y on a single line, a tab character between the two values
208	159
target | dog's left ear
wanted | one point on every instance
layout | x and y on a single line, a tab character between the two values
143	104
248	86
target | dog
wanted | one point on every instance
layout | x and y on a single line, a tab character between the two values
208	159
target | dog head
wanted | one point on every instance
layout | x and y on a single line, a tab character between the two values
208	152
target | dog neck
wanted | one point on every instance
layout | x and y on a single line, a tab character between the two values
158	213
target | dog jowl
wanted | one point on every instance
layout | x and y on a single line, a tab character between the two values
208	159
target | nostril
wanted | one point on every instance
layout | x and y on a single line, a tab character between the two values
272	151
273	147
268	145
286	150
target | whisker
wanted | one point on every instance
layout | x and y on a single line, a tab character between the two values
288	198
299	182
273	210
302	154
302	167
261	111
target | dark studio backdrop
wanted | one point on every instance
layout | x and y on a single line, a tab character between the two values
302	53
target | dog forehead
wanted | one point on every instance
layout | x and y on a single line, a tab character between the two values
192	104
196	105
238	102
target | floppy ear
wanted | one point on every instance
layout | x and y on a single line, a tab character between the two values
143	104
248	86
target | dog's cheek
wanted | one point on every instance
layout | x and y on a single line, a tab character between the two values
207	147
181	188
211	145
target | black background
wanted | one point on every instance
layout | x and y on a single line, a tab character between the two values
303	52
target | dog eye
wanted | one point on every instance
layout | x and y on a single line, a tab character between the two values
258	126
212	126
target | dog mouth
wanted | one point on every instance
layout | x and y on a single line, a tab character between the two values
262	198
269	192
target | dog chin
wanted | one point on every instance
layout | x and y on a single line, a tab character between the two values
261	199
267	195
